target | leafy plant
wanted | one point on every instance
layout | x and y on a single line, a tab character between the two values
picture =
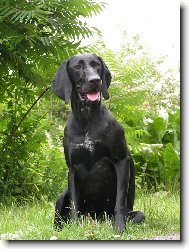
35	36
149	114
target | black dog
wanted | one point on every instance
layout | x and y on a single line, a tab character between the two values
101	170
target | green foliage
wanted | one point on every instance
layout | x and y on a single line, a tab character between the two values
29	163
143	100
154	140
35	37
38	33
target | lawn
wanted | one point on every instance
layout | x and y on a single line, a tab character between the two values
35	221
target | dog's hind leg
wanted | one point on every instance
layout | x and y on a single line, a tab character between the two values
62	209
136	216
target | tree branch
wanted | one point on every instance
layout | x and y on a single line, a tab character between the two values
25	115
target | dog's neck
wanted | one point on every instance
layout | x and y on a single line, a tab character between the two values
84	113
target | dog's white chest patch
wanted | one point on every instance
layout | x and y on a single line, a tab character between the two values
88	143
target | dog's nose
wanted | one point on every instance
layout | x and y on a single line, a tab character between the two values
93	80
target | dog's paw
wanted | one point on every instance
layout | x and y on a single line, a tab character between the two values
120	225
139	217
120	228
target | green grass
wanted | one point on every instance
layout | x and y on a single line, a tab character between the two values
35	221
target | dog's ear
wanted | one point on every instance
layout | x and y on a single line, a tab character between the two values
61	83
106	79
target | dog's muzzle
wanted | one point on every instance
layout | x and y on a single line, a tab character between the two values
90	92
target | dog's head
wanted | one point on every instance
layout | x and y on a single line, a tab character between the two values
86	74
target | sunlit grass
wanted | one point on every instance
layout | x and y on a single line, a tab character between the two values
35	221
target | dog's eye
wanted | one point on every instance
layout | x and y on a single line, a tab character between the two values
78	66
95	64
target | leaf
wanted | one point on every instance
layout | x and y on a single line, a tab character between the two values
160	126
171	160
6	11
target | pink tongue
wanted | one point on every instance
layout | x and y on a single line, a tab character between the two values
93	96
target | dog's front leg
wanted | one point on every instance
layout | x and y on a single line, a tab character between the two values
73	194
123	173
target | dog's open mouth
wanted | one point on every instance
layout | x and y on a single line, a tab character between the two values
93	96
